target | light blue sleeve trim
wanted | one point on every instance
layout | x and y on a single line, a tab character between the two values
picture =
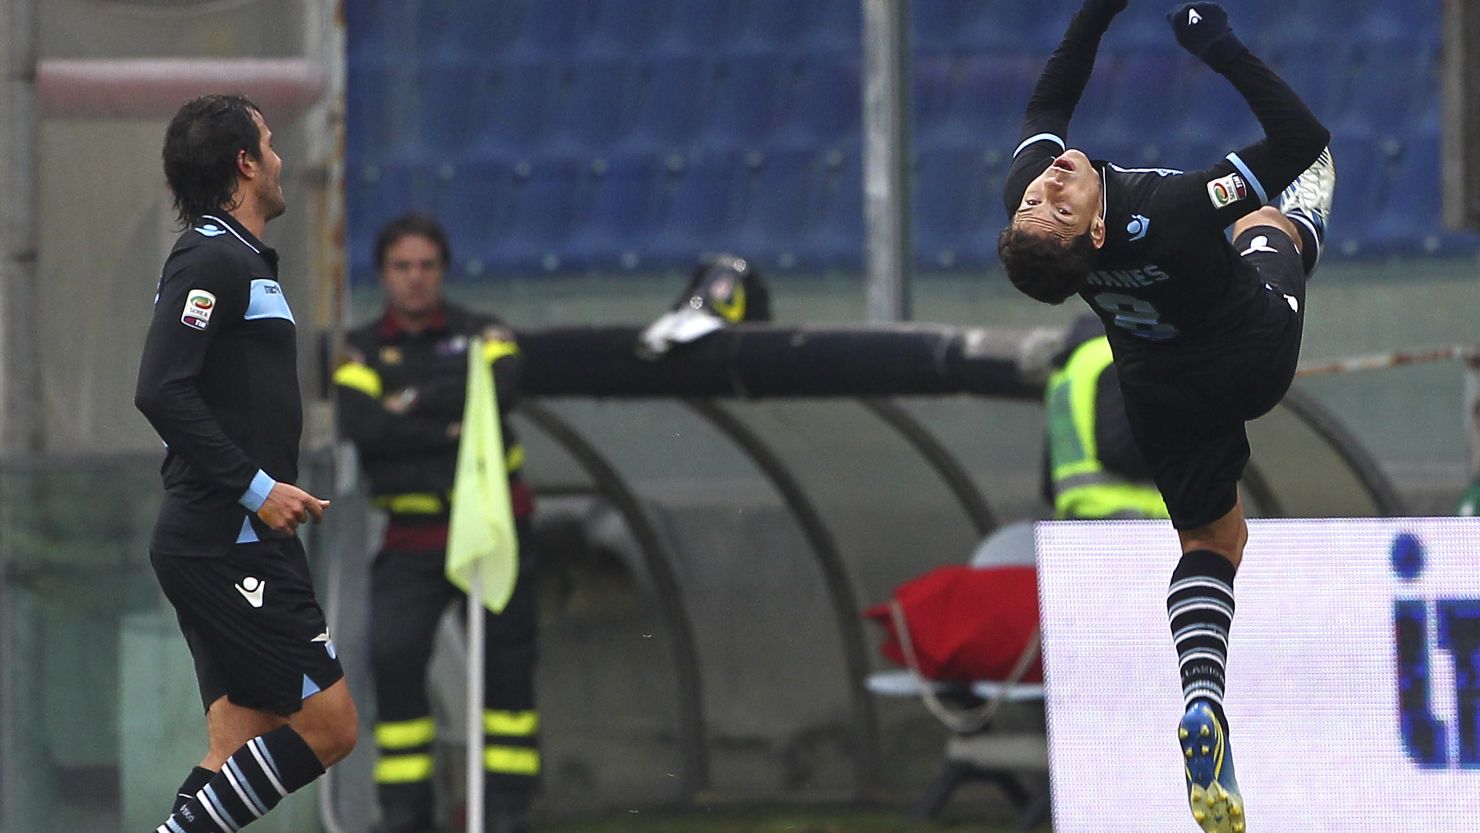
1249	175
1041	137
256	494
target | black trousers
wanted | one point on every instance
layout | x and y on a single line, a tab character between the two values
409	594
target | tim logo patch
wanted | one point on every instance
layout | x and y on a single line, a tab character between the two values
1227	191
199	304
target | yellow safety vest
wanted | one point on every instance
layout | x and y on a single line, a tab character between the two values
1083	490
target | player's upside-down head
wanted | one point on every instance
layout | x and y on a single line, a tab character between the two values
1049	246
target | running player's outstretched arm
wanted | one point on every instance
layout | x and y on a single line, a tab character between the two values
1293	136
1057	93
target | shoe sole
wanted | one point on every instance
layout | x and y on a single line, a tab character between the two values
1214	808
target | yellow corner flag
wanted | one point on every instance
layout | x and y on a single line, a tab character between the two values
481	543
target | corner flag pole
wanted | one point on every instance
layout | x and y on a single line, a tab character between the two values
475	702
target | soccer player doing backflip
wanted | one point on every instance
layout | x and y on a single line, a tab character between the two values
1205	332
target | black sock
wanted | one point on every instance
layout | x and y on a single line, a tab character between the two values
1200	607
252	781
1310	241
198	778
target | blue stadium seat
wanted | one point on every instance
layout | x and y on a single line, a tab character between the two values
694	26
951	207
671	98
1412	220
547	28
592	112
932	81
626	191
1361	194
454	95
825	103
544	204
835	241
1148	94
837	27
452	31
625	27
749	88
382	102
697	211
1014	24
518	117
1320	70
375	193
778	200
371	31
777	25
987	105
472	199
1389	81
937	26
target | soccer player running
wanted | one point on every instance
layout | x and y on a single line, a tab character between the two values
1205	334
219	382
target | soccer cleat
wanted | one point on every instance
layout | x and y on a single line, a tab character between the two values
1308	199
1212	791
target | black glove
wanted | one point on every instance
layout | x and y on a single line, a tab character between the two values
1202	29
1102	11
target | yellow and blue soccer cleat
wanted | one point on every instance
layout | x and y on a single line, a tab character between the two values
1213	794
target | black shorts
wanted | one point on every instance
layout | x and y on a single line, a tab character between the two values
252	623
1189	420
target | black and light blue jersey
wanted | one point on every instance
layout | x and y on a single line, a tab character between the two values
1167	277
219	383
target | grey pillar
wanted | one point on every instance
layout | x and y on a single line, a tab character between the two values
886	157
20	381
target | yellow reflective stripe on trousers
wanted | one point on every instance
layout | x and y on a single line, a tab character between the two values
360	377
405	734
514	458
511	760
494	350
412	503
403	769
510	724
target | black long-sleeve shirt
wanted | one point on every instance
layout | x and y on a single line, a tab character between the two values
219	383
1167	276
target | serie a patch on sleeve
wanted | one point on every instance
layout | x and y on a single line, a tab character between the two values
199	304
1227	190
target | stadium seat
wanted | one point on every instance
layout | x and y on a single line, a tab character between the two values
1012	24
671	100
691	26
838	27
951	205
452	31
1361	190
547	28
825	104
625	195
374	194
697	211
544	202
453	95
987	105
518	117
939	26
777	25
1320	70
1388	82
624	28
779	194
835	241
593	110
749	89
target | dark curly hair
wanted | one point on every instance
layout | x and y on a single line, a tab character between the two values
1044	268
200	151
412	225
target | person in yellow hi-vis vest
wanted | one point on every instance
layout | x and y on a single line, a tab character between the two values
1094	470
400	395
